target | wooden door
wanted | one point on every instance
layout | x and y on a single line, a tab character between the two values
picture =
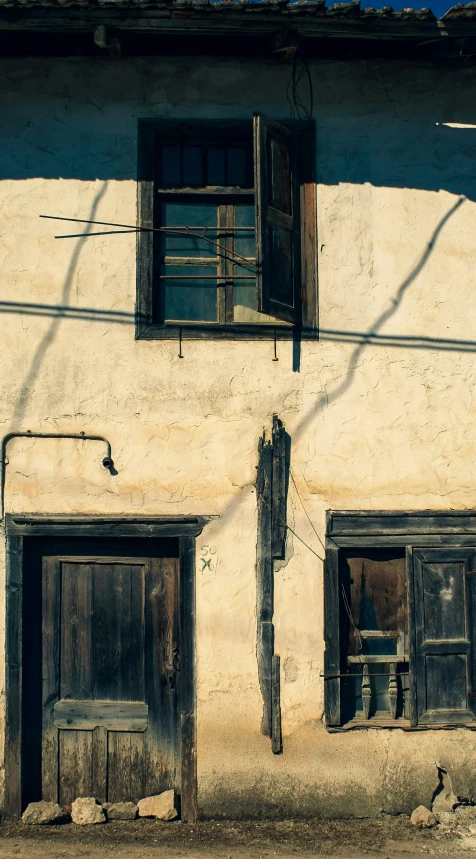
110	656
444	580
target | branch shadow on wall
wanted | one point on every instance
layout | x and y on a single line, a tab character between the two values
373	332
50	335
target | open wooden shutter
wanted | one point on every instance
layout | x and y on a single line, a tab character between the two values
444	588
274	219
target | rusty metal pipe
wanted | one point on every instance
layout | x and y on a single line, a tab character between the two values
107	461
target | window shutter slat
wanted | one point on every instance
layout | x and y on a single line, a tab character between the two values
444	646
274	219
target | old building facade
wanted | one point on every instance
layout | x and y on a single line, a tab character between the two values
277	627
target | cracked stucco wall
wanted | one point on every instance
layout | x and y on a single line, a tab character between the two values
381	421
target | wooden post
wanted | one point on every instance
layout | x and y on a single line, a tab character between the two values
276	736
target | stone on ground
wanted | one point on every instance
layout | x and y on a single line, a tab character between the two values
42	813
120	810
161	806
444	798
86	810
423	818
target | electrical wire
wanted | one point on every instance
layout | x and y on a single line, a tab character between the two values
305	511
263	499
351	618
298	109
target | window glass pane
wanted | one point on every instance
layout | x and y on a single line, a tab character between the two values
245	243
192	165
236	166
187	215
192	297
216	165
171	173
246	301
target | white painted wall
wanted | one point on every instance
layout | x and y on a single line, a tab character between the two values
372	426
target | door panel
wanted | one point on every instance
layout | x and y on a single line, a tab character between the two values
110	654
443	589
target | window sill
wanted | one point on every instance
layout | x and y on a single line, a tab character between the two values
392	724
212	331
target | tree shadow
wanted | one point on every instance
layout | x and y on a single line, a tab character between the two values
50	335
368	337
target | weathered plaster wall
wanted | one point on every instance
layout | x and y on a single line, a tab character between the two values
381	421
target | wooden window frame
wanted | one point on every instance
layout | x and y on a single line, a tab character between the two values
20	527
407	530
148	258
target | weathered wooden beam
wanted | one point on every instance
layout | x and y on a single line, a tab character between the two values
271	486
278	490
248	22
76	715
276	735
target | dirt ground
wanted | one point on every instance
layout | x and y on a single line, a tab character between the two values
388	837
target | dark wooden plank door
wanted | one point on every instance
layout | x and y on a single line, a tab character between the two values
110	656
444	582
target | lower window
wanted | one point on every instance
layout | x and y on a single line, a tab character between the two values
400	628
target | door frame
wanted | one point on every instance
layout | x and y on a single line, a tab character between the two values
19	527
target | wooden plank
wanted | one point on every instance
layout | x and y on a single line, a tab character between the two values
99	764
309	237
188	792
116	662
75	715
146	241
222	23
126	767
276	735
264	560
278	484
75	765
265	650
369	660
51	587
387	524
13	688
76	659
332	702
161	659
186	746
236	331
402	540
274	219
104	526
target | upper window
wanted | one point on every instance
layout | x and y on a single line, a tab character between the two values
222	207
400	624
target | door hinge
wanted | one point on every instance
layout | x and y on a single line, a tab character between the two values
303	294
